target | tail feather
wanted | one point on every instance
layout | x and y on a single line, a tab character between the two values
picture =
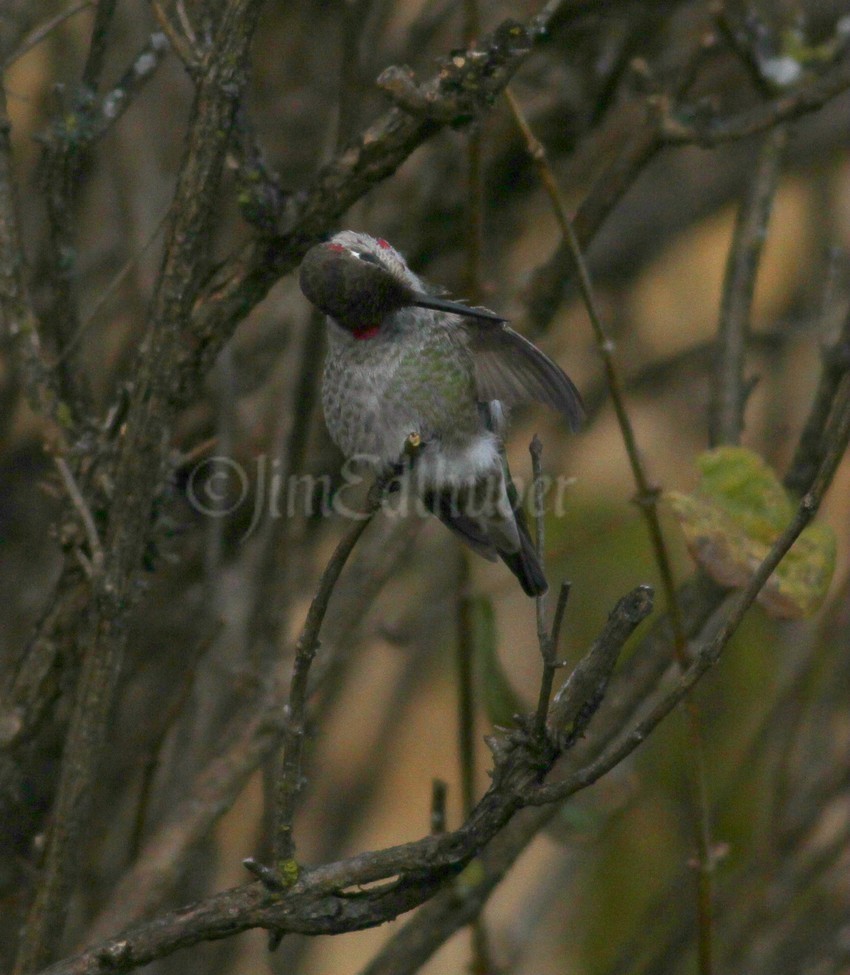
468	529
525	563
523	560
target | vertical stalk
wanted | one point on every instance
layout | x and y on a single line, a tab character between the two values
729	391
646	499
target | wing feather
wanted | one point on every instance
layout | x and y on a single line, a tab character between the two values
510	368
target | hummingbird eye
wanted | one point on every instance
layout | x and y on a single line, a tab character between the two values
366	256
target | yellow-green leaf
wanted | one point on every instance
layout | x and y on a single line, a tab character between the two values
737	512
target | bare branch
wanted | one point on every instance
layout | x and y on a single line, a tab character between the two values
729	391
316	901
709	653
290	778
810	97
139	471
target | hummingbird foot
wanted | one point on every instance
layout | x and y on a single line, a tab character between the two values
389	480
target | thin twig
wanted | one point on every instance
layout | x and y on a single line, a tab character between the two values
550	660
353	18
36	36
83	510
535	449
315	902
182	40
66	149
474	230
546	640
647	501
809	97
97	46
726	423
617	176
729	392
709	653
647	493
166	724
465	661
739	40
111	288
289	782
19	327
139	466
110	108
811	443
481	962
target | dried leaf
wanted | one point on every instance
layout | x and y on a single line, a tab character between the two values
737	512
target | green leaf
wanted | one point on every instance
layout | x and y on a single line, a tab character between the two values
737	512
499	698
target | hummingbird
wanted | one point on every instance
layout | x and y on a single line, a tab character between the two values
410	375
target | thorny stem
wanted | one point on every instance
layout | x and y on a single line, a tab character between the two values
647	501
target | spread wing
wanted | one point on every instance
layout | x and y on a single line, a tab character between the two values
509	368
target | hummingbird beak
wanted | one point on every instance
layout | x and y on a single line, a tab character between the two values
454	308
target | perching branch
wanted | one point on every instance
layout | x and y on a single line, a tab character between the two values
290	778
318	903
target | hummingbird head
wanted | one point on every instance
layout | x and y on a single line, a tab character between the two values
359	280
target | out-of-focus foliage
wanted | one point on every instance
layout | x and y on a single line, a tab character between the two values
737	512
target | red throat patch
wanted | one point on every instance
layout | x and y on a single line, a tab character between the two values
367	332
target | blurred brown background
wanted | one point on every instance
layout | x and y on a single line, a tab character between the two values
607	890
